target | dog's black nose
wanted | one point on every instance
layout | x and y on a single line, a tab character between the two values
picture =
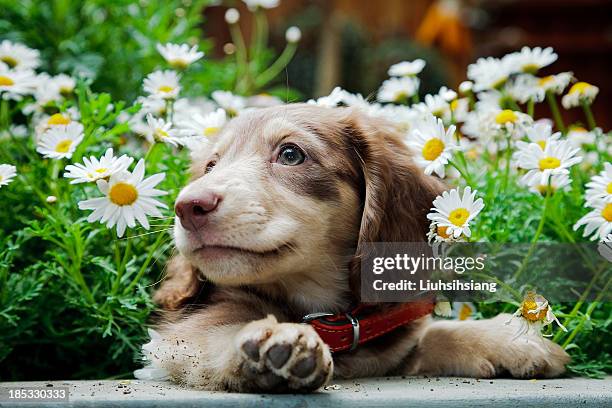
193	212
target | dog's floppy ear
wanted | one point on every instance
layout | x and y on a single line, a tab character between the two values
180	285
396	194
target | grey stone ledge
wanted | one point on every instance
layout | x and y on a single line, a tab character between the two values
372	392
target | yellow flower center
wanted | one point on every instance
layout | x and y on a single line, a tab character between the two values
607	212
499	83
400	96
160	133
506	116
530	68
442	231
543	189
465	312
179	63
609	188
10	61
6	81
165	88
58	119
432	149
578	129
546	80
210	131
579	88
549	163
63	146
530	305
123	194
454	105
101	170
459	216
542	144
1	178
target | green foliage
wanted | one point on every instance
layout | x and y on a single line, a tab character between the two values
112	42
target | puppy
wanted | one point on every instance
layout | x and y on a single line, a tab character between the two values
272	227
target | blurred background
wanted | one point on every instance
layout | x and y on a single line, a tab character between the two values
351	43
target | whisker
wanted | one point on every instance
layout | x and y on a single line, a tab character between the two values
145	233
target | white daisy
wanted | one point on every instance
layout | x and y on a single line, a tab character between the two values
465	87
447	94
163	84
151	104
440	233
94	169
266	4
513	122
541	133
205	126
530	60
433	146
460	109
60	142
398	89
598	222
16	84
179	56
488	73
555	83
579	136
556	182
435	105
7	173
455	212
18	56
600	186
162	131
407	68
556	158
128	197
579	92
232	104
335	98
525	88
535	313
57	119
65	84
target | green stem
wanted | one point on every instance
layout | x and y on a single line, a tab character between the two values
122	265
589	115
554	108
260	38
4	114
242	70
536	236
278	65
508	159
587	315
463	171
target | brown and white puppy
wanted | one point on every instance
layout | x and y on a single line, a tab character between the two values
271	228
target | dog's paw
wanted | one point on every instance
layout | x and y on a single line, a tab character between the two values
529	356
280	357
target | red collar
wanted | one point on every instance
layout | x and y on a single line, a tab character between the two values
345	331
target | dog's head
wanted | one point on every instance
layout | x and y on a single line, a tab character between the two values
288	195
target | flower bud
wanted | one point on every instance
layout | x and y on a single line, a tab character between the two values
232	16
293	34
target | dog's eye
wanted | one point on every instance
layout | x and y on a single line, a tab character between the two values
291	155
210	166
